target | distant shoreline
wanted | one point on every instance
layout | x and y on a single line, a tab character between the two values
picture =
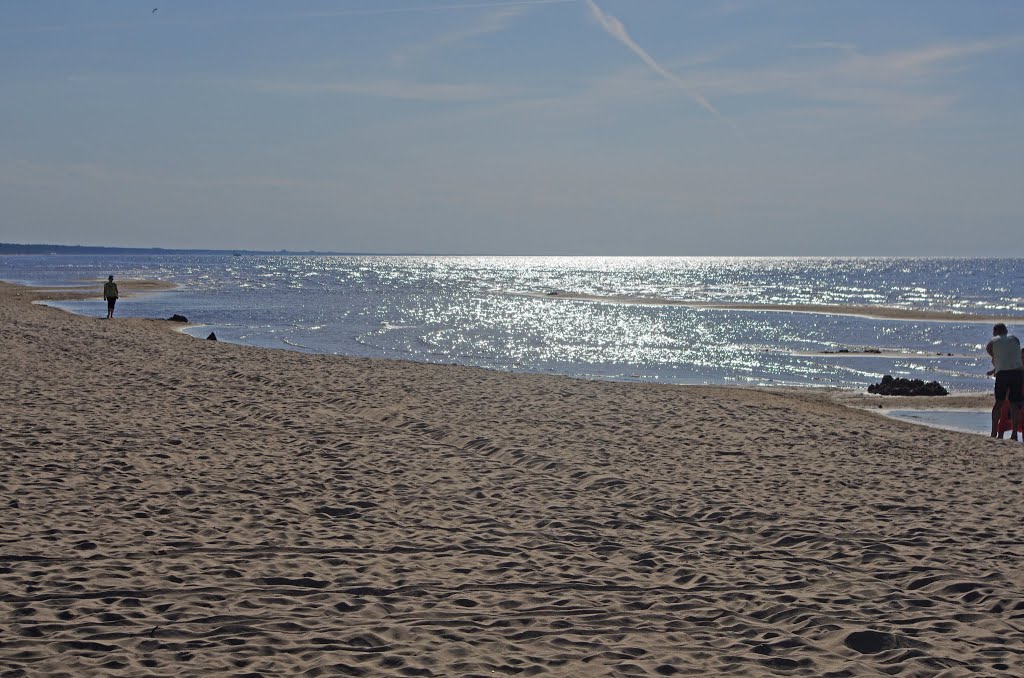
38	249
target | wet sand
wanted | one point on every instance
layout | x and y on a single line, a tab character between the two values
181	507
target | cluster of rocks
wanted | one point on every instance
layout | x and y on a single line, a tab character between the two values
900	386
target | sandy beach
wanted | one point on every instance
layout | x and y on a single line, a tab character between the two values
180	507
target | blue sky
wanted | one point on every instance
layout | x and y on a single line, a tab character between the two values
632	127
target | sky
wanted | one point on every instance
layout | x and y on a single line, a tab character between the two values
569	127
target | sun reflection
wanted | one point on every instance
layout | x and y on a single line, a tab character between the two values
498	312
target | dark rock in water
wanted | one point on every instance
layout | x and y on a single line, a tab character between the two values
552	294
901	386
212	337
176	318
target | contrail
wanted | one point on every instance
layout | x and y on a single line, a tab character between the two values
614	28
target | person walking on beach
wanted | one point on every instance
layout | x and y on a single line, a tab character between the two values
110	295
1009	370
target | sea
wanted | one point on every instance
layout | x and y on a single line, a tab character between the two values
571	316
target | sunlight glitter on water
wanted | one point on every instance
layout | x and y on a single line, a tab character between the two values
498	312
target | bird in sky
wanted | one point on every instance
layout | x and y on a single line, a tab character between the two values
154	10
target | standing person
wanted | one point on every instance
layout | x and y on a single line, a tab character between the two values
1004	411
110	294
1009	370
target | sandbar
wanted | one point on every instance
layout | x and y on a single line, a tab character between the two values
875	312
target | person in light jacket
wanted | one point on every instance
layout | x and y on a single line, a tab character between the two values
1009	372
110	295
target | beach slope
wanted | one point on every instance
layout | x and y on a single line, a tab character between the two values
181	507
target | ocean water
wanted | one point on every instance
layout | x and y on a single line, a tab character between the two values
498	313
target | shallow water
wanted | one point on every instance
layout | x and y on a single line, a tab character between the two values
967	421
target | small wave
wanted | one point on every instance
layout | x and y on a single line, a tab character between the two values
293	343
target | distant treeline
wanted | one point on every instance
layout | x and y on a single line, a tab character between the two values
14	248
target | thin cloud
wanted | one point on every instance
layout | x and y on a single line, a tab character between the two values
826	45
41	175
171	18
900	65
493	22
730	7
901	86
434	8
904	84
387	89
614	28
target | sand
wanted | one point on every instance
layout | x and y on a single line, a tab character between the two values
182	507
875	312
